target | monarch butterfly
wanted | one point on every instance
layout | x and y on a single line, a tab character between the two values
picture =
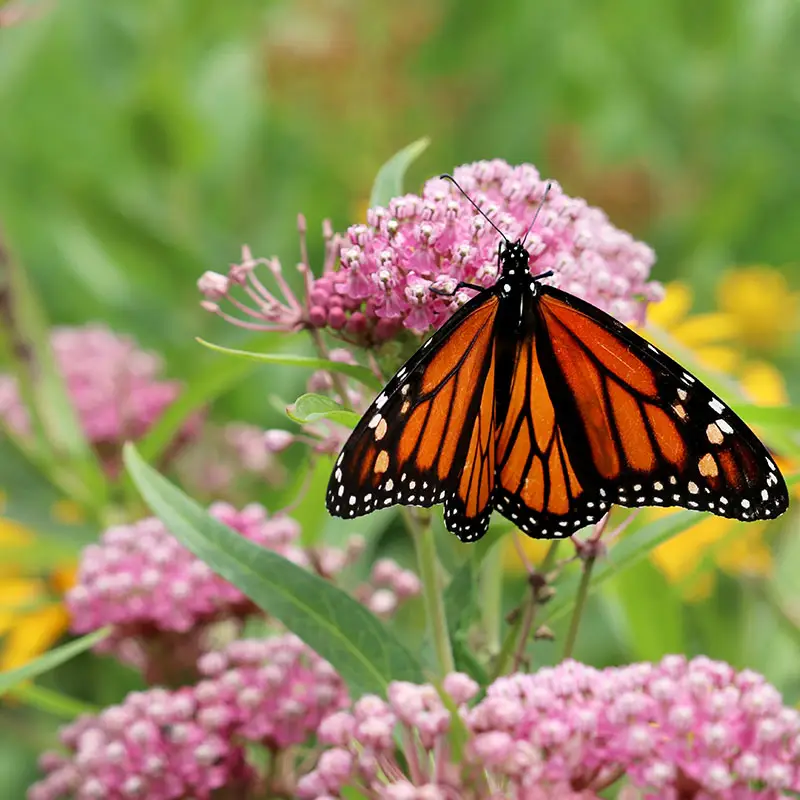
535	403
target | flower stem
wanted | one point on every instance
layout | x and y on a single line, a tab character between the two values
338	381
428	563
492	598
580	604
520	629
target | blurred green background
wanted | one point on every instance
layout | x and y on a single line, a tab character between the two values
142	143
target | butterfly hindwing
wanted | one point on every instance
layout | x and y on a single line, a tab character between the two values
428	437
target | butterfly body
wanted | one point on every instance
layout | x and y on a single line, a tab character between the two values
533	402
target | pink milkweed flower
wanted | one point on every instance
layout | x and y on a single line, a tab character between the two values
158	597
155	744
114	386
161	601
275	690
378	278
691	729
190	742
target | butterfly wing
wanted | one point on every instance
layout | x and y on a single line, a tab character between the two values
599	416
429	435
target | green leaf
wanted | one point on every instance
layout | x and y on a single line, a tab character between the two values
459	597
639	591
364	652
31	500
313	407
359	373
351	793
770	416
26	333
50	660
389	180
208	384
51	701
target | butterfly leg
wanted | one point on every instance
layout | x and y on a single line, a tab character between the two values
459	285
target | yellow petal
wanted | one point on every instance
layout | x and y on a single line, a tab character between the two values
720	358
746	553
760	299
763	383
702	329
33	635
13	534
673	308
17	595
64	578
682	556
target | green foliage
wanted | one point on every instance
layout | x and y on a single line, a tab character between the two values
314	407
390	177
145	143
50	660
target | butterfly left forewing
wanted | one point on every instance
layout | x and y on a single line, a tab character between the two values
425	439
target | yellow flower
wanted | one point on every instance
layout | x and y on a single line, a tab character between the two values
716	340
765	309
32	614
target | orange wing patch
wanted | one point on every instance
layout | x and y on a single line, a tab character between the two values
534	462
608	349
477	479
616	395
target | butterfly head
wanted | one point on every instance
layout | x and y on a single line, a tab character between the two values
514	259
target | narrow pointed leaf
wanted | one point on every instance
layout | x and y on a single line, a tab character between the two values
389	180
359	646
50	660
25	331
361	374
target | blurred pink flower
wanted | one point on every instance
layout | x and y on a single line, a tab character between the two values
155	745
158	596
274	691
161	600
114	387
170	745
386	269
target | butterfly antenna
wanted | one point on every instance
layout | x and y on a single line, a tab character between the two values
474	204
533	221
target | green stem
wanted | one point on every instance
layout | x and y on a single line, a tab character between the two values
339	382
512	635
580	604
491	583
428	563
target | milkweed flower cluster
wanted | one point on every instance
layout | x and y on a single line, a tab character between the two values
677	729
385	274
159	598
275	691
166	745
114	387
